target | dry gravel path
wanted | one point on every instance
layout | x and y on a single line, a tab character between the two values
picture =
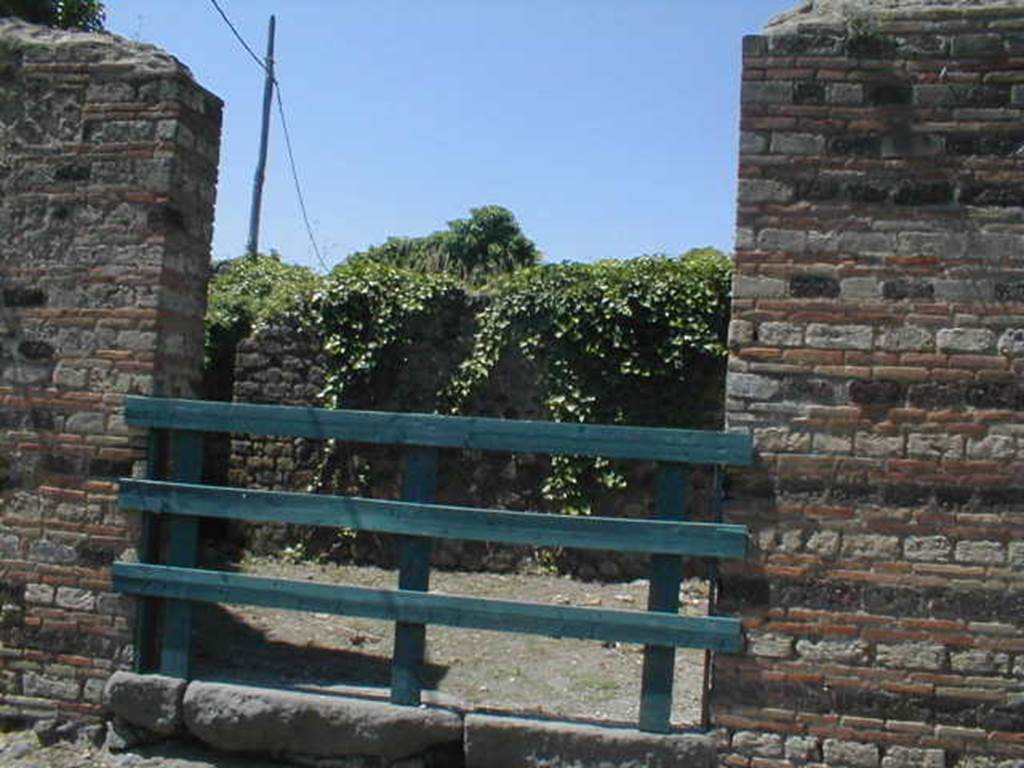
570	679
477	669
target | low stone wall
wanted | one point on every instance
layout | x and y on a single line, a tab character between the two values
282	364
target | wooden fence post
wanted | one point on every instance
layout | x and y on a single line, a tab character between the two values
420	484
666	576
182	550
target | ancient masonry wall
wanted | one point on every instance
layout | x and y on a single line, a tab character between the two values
108	157
878	361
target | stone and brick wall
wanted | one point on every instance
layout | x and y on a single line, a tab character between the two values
108	157
878	361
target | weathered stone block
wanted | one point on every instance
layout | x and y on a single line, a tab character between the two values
934	446
907	338
754	191
789	240
845	94
46	687
980	662
965	340
1012	342
860	288
910	757
241	718
833	651
10	546
780	334
824	543
758	287
986	552
852	754
153	702
770	645
803	749
928	549
992	447
781	440
39	594
507	742
878	446
75	599
823	336
752	143
797	143
813	286
754	92
911	655
757	743
871	546
740	332
750	386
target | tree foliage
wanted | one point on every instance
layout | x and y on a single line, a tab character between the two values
472	250
88	15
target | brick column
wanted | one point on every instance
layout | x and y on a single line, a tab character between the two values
108	157
878	361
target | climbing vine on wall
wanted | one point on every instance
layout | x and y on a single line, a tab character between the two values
636	342
633	342
365	312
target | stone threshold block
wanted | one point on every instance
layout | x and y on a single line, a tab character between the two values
295	725
494	741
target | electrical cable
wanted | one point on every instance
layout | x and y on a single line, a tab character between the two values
295	176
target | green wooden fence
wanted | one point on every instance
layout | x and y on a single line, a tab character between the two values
172	501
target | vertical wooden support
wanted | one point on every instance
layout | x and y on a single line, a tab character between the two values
182	550
666	576
717	499
149	545
420	484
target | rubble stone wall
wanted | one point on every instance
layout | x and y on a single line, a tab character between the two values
878	361
108	158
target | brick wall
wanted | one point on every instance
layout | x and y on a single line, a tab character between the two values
108	156
878	361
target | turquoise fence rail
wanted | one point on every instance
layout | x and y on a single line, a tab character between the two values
172	501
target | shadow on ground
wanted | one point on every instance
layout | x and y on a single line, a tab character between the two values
229	649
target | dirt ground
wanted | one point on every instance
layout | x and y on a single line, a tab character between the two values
477	669
571	679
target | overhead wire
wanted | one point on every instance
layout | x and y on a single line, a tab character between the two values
284	126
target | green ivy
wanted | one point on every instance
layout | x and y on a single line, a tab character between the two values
622	342
247	292
638	342
366	312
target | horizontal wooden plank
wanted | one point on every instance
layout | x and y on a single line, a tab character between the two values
549	437
420	519
716	633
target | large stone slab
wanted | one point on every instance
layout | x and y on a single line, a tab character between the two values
240	718
152	702
509	742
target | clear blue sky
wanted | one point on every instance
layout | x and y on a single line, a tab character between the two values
609	127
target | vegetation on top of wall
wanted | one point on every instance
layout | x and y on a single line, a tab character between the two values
244	293
638	342
472	250
365	311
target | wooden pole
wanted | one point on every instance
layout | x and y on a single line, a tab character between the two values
261	164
